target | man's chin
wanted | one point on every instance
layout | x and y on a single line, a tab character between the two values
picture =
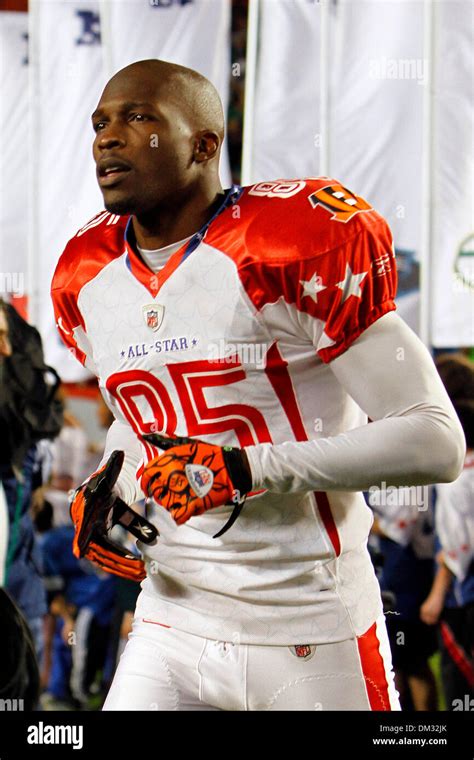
119	206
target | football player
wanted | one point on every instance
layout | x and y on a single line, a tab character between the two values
242	339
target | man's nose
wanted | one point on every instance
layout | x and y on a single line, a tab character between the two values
110	137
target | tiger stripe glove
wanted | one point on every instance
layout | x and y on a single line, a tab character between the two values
95	509
193	476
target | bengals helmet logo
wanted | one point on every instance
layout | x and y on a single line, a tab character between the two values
340	201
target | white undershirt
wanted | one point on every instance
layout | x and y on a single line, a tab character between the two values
157	259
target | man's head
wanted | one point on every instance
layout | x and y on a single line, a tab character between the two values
465	411
5	343
161	127
457	373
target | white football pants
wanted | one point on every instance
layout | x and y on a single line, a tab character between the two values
165	669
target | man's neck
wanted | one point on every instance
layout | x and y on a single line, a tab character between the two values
168	224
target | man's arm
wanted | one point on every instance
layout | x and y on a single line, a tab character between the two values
415	437
121	437
432	607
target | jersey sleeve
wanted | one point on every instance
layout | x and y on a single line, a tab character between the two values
75	268
345	290
92	248
70	325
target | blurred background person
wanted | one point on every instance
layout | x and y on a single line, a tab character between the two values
450	603
403	525
78	655
29	412
19	674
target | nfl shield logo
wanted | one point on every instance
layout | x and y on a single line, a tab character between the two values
305	651
202	478
302	650
153	315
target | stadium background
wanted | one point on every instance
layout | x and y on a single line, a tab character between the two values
375	93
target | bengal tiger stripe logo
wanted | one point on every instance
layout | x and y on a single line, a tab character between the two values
338	200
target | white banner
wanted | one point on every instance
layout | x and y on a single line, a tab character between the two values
452	302
14	155
378	77
193	33
67	78
284	126
376	123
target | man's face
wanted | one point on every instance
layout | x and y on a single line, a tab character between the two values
143	147
5	345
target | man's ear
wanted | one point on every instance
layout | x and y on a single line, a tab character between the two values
206	146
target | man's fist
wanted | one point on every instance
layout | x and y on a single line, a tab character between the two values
94	511
193	476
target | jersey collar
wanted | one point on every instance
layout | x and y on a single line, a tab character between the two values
154	281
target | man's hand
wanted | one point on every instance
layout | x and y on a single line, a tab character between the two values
431	609
94	511
193	476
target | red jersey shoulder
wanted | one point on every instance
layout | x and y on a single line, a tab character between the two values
293	218
318	247
97	243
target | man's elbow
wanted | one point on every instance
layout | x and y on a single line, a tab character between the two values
450	452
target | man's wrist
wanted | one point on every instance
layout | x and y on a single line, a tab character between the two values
239	470
253	462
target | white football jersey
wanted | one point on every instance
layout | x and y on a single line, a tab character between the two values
231	342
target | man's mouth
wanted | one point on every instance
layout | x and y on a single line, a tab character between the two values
111	172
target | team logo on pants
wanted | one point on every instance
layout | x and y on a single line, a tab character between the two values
339	201
305	651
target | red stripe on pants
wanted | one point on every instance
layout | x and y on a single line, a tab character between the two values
373	668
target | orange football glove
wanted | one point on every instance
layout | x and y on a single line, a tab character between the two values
193	476
94	511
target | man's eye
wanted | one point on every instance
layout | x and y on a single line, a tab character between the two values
138	117
98	126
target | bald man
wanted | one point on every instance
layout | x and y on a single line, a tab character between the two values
166	173
241	339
